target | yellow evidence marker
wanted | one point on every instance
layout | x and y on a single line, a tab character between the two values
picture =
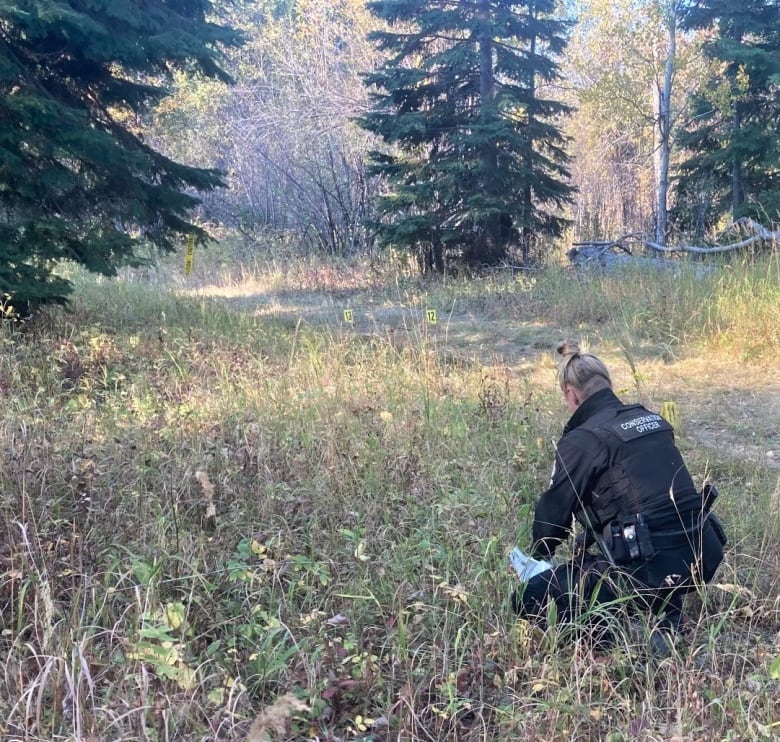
669	413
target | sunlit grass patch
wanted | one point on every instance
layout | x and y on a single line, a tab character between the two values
217	519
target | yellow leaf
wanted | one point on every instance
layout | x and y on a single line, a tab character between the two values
175	614
268	565
185	677
257	548
456	592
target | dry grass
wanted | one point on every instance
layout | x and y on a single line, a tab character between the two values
226	517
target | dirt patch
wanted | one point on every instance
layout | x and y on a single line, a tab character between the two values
729	407
741	424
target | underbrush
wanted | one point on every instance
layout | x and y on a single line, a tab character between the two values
225	524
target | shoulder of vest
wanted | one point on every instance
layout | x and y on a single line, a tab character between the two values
604	416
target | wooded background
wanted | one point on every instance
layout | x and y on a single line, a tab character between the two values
671	130
475	132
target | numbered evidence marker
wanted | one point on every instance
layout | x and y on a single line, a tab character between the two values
669	413
189	257
430	315
349	316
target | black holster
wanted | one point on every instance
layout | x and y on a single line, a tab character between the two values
629	540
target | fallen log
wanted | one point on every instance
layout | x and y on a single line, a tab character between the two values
745	224
611	253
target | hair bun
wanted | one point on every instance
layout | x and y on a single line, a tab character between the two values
569	348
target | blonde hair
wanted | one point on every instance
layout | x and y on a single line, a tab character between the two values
584	371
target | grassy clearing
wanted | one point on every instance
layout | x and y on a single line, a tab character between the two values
229	514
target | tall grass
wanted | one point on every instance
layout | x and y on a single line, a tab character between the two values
733	307
226	517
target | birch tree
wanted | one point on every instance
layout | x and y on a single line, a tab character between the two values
629	69
669	11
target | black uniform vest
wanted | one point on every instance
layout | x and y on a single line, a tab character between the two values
646	471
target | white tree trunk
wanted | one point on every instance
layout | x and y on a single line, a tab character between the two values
663	123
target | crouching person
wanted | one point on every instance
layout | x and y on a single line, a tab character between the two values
619	474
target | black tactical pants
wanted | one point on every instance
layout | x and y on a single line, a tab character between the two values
578	594
592	595
594	599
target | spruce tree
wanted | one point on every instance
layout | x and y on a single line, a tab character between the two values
734	167
475	161
77	179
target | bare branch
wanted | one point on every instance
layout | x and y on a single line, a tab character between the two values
760	234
